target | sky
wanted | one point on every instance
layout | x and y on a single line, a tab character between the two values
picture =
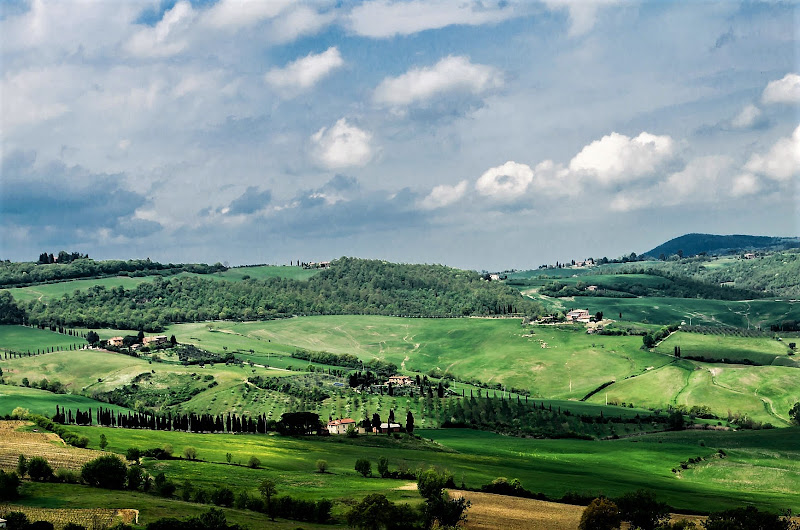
478	134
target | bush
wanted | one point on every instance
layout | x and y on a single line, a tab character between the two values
364	466
67	476
601	514
107	471
136	477
16	520
39	469
9	486
254	462
222	497
642	510
383	467
133	454
322	466
190	453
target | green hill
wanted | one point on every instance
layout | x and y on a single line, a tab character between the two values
693	244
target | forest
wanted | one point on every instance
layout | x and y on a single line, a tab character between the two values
349	286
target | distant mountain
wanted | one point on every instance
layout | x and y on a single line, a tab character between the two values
693	244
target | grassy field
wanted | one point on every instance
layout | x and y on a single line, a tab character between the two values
553	362
761	350
49	291
554	467
23	339
44	402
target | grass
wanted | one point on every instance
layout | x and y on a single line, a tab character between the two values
49	291
761	350
44	402
24	339
554	467
554	362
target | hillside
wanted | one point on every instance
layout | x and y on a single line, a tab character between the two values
693	244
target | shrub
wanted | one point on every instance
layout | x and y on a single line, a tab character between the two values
222	497
39	469
190	453
107	471
9	486
254	462
136	477
601	514
642	510
22	465
67	476
383	467
133	454
364	466
322	466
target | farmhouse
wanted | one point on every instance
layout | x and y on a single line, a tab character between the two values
114	341
340	426
578	315
387	427
749	255
155	340
401	380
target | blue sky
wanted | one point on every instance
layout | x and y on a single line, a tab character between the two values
485	135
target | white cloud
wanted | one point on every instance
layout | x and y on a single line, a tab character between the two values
166	37
451	74
786	90
582	13
748	117
302	20
342	145
444	195
506	182
745	184
781	162
618	158
382	18
305	72
232	14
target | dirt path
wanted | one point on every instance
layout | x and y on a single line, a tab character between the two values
768	404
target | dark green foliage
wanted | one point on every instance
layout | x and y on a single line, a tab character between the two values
108	471
299	423
165	487
40	525
750	518
16	521
794	413
693	244
350	286
376	512
39	469
222	497
364	466
439	507
10	312
22	465
601	514
74	526
212	519
136	477
133	454
383	467
642	510
9	486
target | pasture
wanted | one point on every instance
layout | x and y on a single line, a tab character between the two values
554	467
43	402
550	361
24	339
761	350
48	291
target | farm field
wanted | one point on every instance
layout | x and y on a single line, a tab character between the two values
47	291
761	350
14	442
554	467
43	402
23	339
763	393
554	362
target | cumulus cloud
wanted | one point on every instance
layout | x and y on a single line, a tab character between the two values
506	183
618	158
748	117
451	74
167	37
582	14
342	145
785	90
305	72
745	184
383	18
443	195
233	14
781	162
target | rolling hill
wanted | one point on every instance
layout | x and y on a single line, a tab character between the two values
693	244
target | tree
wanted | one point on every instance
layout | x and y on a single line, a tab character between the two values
92	338
136	477
439	507
364	466
746	518
409	423
22	465
376	422
108	471
190	453
268	490
133	454
794	413
322	466
228	457
103	441
374	512
383	467
675	420
172	340
9	486
601	514
223	497
39	469
641	509
648	340
254	462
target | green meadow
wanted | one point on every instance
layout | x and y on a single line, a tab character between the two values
761	350
554	467
23	339
48	291
43	402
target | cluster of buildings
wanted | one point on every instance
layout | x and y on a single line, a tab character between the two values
153	341
341	426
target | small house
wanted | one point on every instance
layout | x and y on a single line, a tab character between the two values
387	427
114	341
401	380
340	426
578	315
156	340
